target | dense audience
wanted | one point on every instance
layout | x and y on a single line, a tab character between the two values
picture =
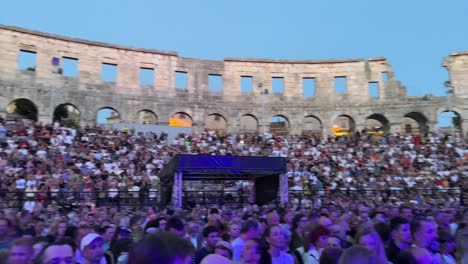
364	199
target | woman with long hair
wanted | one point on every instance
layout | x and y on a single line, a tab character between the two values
315	241
299	223
274	253
366	236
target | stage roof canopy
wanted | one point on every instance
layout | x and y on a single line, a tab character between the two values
206	167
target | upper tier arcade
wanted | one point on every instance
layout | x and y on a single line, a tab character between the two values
302	92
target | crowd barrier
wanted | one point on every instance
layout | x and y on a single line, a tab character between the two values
74	199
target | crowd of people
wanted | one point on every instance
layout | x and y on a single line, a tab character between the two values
392	198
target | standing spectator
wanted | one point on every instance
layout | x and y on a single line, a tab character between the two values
424	233
252	252
316	241
446	246
21	251
274	254
250	230
367	236
401	237
358	255
210	237
57	252
91	248
5	237
162	247
176	225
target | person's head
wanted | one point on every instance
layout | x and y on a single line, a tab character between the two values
58	252
424	231
4	226
223	248
273	236
366	236
121	248
162	222
273	218
108	233
330	255
325	221
300	221
446	242
318	236
250	229
251	254
91	246
406	212
176	225
334	241
400	228
358	255
123	233
60	228
234	230
21	251
215	259
287	217
211	236
162	247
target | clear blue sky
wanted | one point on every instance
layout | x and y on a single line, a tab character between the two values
415	36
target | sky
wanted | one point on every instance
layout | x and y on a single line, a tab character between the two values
414	36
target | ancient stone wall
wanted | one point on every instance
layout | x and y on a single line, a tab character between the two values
89	93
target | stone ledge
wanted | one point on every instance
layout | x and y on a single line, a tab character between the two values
293	61
87	42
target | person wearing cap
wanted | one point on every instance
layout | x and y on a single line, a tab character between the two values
91	250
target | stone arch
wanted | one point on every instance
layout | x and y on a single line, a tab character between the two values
216	122
280	125
146	116
248	123
415	122
343	125
312	125
181	119
449	121
377	123
107	116
67	113
22	108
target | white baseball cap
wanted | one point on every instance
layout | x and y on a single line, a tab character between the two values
88	239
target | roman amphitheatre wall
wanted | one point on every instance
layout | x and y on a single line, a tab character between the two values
126	95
